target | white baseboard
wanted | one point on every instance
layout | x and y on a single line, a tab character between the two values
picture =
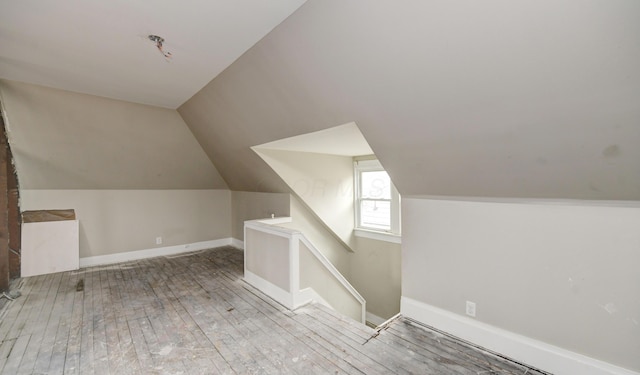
308	295
278	294
150	253
237	243
517	347
375	319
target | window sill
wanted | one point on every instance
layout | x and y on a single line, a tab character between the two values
380	236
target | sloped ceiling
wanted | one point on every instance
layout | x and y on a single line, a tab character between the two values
536	99
66	140
102	47
343	140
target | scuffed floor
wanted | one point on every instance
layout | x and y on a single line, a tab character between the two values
192	314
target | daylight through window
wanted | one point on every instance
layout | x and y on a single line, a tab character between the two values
377	200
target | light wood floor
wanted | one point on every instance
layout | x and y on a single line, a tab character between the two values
192	314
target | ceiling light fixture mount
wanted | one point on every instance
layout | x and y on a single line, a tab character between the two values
156	39
159	41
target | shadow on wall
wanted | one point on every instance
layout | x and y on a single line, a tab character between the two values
319	170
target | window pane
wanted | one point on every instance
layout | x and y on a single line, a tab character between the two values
376	185
375	215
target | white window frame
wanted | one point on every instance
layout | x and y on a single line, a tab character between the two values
392	235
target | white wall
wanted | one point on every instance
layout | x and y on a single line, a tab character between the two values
314	275
114	221
323	239
323	182
565	273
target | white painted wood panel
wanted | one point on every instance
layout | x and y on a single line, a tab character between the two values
50	247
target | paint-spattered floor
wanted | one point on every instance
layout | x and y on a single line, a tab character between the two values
192	314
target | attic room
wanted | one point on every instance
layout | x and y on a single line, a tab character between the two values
196	140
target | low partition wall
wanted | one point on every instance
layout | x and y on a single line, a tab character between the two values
285	265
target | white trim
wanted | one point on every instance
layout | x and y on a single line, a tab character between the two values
520	348
369	165
296	297
264	226
336	274
374	165
244	238
278	294
308	295
237	243
375	319
294	268
275	220
545	201
99	260
380	236
333	270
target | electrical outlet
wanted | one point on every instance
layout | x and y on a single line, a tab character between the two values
471	309
158	240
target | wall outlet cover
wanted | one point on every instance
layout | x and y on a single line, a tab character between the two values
471	308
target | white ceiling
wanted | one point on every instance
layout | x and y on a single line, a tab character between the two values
101	47
343	140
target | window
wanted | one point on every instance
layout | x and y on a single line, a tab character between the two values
377	200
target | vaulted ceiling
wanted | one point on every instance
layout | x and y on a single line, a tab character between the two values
102	47
520	99
517	99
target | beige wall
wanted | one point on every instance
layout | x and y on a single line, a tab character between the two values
376	274
321	237
463	98
503	108
324	186
373	267
65	140
250	206
114	221
269	258
129	170
563	273
323	182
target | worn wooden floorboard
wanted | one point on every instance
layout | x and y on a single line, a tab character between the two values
253	322
193	314
11	317
327	314
442	363
344	348
242	328
301	353
290	332
36	326
200	310
44	349
71	364
63	329
453	351
195	345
